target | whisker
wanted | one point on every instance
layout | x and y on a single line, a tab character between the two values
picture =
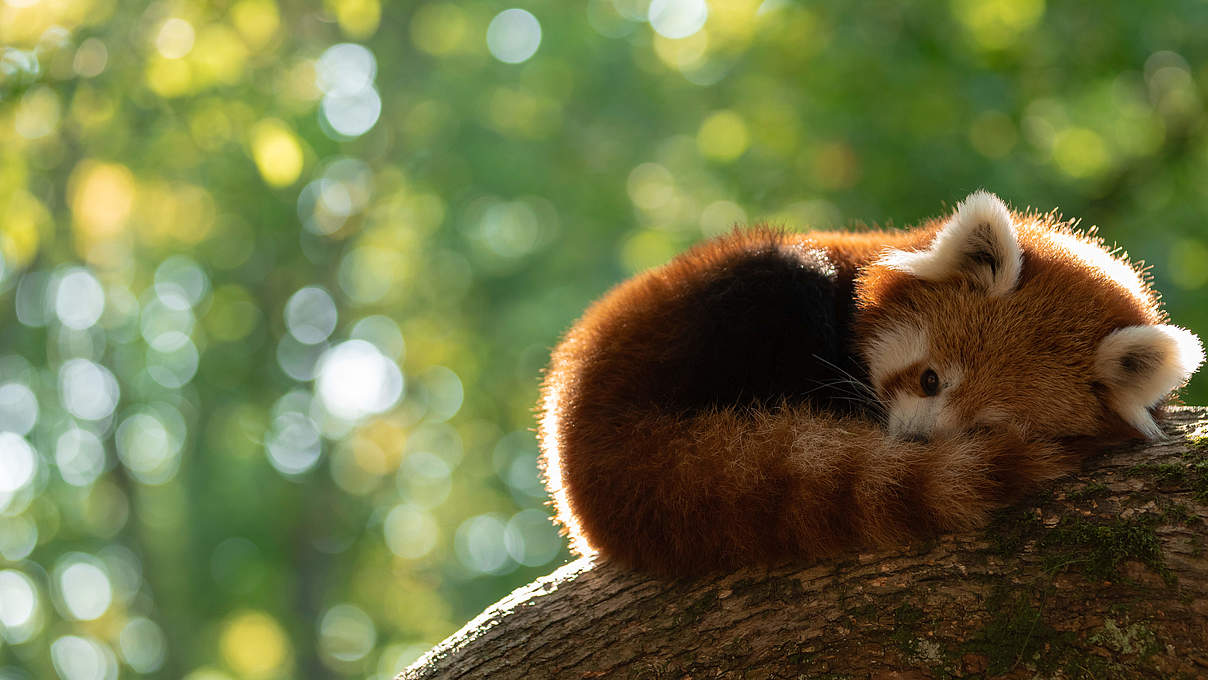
844	372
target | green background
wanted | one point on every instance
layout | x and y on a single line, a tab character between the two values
181	496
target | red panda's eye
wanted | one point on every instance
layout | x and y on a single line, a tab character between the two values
930	382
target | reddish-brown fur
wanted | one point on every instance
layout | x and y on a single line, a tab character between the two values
680	492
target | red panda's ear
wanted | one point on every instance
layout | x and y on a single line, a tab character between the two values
978	241
1141	365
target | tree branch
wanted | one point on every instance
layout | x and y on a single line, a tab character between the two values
1103	575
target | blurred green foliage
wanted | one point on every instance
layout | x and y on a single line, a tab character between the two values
279	278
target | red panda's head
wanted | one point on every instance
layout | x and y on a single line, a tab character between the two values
1016	318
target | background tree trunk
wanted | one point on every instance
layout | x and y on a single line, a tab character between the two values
1102	576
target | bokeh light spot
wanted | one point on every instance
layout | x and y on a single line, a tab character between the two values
37	114
686	55
383	333
297	360
479	545
102	195
254	645
148	448
18	537
439	28
176	363
84	586
18	462
91	57
723	136
352	115
256	20
82	658
650	186
326	204
358	18
220	56
79	299
444	393
19	605
357	380
531	539
997	24
181	276
510	229
18	408
293	443
346	634
21	221
410	532
142	645
677	18
1080	152
175	38
79	456
170	78
345	73
310	315
277	152
513	36
345	69
167	320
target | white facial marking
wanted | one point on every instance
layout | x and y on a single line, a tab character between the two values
1142	365
895	349
912	414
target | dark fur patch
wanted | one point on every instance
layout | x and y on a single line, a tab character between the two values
986	258
1136	363
767	325
985	251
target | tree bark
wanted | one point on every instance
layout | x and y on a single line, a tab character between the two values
1103	575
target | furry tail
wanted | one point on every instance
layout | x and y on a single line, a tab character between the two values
682	495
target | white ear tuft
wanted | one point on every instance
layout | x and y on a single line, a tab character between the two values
979	240
1141	365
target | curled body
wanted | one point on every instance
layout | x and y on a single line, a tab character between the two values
770	396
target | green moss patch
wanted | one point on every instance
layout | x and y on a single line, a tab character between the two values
1198	440
1017	634
1090	546
1096	548
1089	492
1192	474
905	635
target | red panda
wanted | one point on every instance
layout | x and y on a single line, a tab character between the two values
772	396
